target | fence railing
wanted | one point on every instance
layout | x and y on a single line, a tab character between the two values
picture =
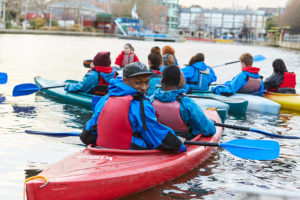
291	38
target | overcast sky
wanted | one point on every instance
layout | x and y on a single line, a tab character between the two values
236	3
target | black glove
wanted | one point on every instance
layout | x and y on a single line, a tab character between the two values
87	137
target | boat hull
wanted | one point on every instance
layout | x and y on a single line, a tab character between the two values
287	101
94	174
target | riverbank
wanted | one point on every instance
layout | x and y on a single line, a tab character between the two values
69	33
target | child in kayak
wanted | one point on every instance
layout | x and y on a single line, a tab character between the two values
168	59
178	111
248	81
126	57
125	119
97	79
281	80
169	50
197	74
154	61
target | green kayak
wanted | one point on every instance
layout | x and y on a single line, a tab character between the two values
87	100
236	105
80	98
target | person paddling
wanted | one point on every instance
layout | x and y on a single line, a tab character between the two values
96	80
197	74
281	80
178	111
125	119
248	81
126	57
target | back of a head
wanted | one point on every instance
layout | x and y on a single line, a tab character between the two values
168	50
155	60
155	49
199	57
169	59
247	58
171	76
279	66
102	59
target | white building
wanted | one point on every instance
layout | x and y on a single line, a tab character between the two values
223	23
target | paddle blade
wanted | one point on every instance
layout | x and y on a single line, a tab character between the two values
258	58
25	89
53	134
87	63
3	78
253	149
273	134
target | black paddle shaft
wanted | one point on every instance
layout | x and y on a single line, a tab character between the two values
202	143
233	126
231	62
57	86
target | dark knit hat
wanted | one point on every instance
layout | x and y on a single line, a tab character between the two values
171	75
102	59
135	69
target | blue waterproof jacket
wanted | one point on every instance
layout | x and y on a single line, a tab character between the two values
156	134
190	112
239	81
89	81
193	77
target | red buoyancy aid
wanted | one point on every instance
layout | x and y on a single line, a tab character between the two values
113	126
105	70
289	80
168	113
127	58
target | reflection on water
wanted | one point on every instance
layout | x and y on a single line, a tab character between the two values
25	111
59	58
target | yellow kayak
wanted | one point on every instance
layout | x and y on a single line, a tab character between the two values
287	101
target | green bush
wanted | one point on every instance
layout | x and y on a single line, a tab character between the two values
8	25
37	23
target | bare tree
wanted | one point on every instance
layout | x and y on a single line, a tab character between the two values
292	16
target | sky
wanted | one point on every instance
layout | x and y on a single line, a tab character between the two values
237	3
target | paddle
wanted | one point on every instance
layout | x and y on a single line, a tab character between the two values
87	63
3	78
29	88
256	58
256	131
247	149
53	134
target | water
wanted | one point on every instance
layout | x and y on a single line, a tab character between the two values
60	57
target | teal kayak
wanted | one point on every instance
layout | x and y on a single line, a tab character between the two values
86	100
79	98
235	105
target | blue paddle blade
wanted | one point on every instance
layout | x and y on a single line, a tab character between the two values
273	135
53	134
253	149
2	99
258	58
25	89
3	78
95	100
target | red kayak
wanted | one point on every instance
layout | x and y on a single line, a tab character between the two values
95	173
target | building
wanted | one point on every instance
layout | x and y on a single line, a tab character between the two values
222	23
172	15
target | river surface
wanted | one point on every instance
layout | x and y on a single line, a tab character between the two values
60	57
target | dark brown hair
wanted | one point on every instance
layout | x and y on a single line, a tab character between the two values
155	60
279	66
199	57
